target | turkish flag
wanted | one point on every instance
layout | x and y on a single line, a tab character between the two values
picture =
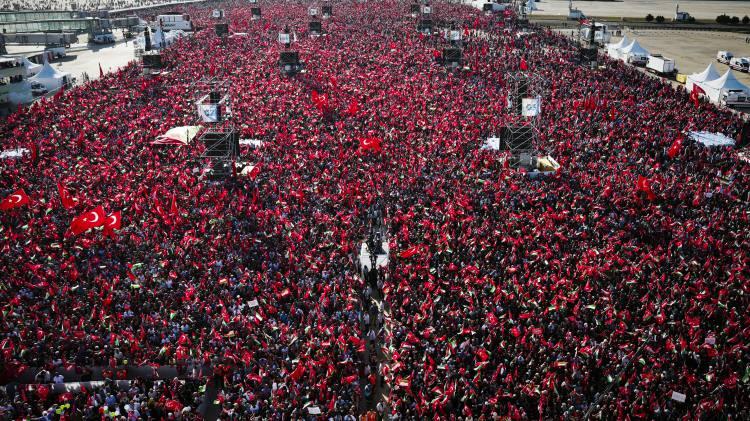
112	222
67	200
695	94
254	172
173	208
410	252
643	184
524	65
18	198
370	143
298	372
353	108
86	221
674	150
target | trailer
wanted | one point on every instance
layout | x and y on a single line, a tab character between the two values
660	65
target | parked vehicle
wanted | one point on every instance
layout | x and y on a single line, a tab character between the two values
38	89
57	51
724	56
660	65
735	99
102	38
740	63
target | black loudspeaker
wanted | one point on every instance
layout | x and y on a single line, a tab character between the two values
214	97
327	10
152	60
147	38
745	135
315	27
451	55
424	25
588	54
289	58
222	29
487	7
255	11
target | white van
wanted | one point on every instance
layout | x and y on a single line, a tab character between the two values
724	56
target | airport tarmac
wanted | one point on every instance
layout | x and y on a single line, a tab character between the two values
699	9
85	58
693	50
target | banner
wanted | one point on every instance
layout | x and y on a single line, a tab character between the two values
531	107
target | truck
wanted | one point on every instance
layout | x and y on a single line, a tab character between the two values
734	98
660	65
102	38
741	64
724	56
173	20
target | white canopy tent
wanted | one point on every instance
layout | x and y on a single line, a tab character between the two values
632	50
612	48
50	77
709	74
727	82
31	68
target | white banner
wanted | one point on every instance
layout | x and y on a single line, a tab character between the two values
209	113
530	107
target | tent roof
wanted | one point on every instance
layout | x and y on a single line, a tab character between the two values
709	74
623	42
49	72
726	82
634	48
29	64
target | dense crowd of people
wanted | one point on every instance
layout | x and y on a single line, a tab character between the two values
604	288
78	5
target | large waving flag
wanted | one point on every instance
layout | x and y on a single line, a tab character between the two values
370	143
17	199
86	221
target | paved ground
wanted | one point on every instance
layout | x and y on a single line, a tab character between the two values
83	57
699	9
693	50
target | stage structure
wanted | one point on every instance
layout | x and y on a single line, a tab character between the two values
220	136
289	62
452	58
525	91
152	63
454	35
425	24
588	51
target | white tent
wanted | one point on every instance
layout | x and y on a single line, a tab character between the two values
715	88
50	77
632	50
31	68
612	48
709	74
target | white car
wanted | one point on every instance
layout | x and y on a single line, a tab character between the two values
741	64
724	56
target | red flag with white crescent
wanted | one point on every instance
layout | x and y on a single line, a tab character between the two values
370	143
85	221
18	198
67	200
112	223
